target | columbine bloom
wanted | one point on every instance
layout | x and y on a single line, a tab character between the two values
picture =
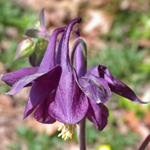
66	93
55	94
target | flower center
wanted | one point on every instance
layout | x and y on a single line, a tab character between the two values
67	130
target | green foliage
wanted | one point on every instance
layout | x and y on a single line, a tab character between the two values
92	133
33	140
8	58
125	25
110	136
130	24
14	146
122	61
128	105
145	67
116	140
12	15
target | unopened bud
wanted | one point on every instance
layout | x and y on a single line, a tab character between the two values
25	48
40	47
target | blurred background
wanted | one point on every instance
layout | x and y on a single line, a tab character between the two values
117	33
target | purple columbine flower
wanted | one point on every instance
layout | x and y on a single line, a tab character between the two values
55	94
66	93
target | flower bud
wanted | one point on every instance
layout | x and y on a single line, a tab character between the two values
25	48
40	47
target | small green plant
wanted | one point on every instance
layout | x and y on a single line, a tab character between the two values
122	60
111	136
33	140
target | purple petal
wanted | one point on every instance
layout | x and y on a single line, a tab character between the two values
26	80
65	55
41	88
115	84
79	46
70	105
41	112
13	77
48	61
98	114
95	88
122	89
58	56
23	82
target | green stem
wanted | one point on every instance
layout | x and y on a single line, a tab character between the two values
82	135
145	143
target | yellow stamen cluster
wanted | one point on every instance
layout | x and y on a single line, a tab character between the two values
67	130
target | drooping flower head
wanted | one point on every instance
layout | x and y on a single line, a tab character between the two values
66	92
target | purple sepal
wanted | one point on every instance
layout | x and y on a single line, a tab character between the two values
115	84
41	112
95	88
26	80
41	88
70	105
98	114
13	77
